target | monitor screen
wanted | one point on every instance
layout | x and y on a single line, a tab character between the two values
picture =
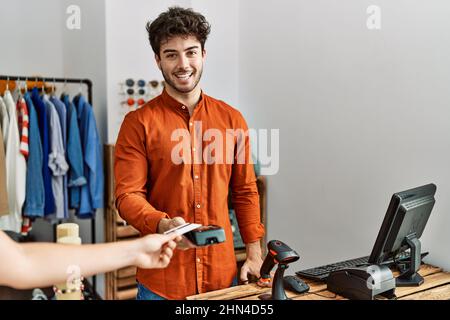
406	216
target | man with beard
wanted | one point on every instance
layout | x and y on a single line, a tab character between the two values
164	179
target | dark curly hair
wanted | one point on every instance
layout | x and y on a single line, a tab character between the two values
177	21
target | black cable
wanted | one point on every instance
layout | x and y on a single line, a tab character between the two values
400	265
323	296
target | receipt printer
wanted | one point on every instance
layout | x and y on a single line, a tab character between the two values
362	283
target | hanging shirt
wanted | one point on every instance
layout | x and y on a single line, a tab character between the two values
4	119
16	168
150	186
4	207
74	155
91	193
62	114
44	131
23	124
35	192
56	158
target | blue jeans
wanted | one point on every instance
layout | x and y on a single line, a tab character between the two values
146	294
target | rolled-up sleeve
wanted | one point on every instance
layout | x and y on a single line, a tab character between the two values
244	191
131	170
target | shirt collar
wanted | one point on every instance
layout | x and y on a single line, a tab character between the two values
80	105
171	102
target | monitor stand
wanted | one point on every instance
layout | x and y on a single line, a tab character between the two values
410	277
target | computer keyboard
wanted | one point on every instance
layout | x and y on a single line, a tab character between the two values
321	273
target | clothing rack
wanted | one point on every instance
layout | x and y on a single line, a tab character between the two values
58	80
88	83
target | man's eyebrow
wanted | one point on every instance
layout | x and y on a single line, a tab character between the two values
190	48
169	50
173	50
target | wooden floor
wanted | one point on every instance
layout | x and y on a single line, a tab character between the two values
435	287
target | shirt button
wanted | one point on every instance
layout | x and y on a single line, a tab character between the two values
183	107
193	149
190	123
196	177
198	259
198	205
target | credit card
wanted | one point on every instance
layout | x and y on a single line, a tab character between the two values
182	229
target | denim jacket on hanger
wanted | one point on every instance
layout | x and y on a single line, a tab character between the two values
34	198
92	192
74	154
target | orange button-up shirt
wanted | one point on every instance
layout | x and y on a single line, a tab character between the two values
169	164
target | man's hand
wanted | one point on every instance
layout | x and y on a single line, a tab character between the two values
253	263
167	224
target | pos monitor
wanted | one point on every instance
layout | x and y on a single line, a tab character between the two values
401	229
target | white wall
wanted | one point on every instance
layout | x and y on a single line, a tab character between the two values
362	114
221	74
34	47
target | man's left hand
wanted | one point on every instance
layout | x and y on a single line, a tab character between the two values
253	263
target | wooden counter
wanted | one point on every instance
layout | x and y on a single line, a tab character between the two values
435	287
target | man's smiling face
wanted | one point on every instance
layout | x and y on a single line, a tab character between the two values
181	62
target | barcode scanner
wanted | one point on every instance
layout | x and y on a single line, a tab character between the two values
281	254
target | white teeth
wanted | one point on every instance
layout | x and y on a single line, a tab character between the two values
183	76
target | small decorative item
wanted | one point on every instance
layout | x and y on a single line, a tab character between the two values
129	82
72	289
137	93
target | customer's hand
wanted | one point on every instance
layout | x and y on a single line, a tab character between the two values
167	224
155	250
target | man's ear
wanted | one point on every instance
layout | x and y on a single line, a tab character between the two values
158	61
204	54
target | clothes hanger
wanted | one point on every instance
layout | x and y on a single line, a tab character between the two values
64	88
80	92
19	91
43	87
35	83
54	88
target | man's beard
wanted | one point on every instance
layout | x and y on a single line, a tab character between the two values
173	85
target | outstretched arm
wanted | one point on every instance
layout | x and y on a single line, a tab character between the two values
30	265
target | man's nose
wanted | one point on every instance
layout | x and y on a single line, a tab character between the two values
183	62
